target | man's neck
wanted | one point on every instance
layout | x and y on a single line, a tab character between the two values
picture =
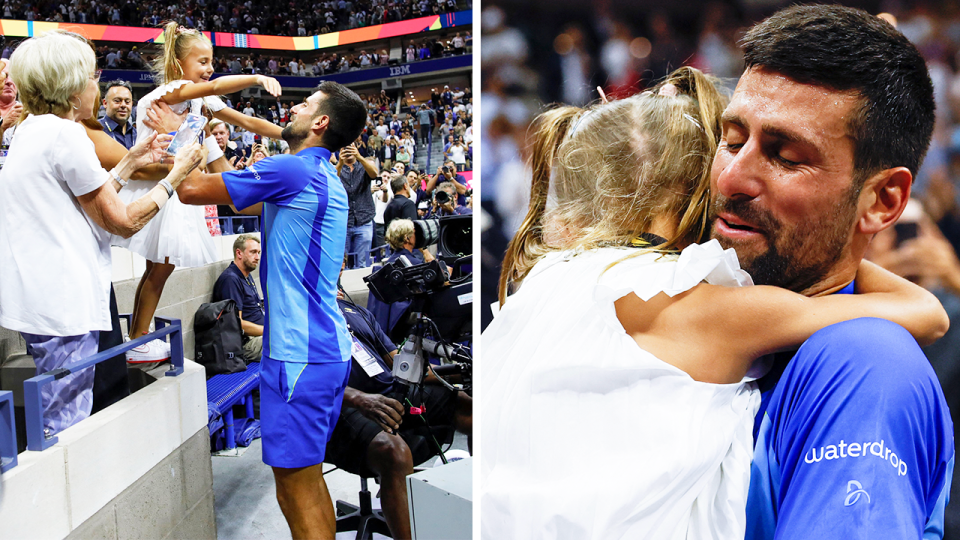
240	266
7	104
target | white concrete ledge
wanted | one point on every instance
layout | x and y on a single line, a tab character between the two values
50	493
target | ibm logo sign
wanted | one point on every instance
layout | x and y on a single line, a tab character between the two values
400	70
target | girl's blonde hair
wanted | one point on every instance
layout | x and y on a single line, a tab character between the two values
615	167
177	43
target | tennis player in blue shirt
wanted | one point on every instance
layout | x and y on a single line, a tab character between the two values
306	346
820	144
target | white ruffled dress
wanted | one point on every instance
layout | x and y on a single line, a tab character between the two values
178	232
588	436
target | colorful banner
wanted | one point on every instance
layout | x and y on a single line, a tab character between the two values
464	61
135	34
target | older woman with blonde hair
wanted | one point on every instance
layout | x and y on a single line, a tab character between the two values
58	207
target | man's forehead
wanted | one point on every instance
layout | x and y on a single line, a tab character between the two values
773	99
114	90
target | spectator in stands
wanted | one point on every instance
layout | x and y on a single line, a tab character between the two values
53	172
457	153
357	172
415	181
117	121
237	284
221	132
427	118
459	45
389	152
10	110
382	195
402	206
374	436
403	155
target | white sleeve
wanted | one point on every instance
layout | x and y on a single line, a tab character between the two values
214	103
77	162
213	149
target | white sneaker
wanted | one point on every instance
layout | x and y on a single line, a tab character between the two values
150	352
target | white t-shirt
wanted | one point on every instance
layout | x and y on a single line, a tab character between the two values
457	154
55	278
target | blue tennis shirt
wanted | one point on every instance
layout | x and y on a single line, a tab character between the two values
304	227
853	439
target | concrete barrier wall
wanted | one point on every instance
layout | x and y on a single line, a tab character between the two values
138	469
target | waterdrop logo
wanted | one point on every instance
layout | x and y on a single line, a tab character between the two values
854	490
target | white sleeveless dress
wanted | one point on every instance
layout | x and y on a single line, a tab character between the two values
179	231
587	436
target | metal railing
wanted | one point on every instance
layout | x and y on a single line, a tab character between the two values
37	440
8	433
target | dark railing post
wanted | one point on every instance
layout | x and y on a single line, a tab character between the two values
33	412
176	344
8	433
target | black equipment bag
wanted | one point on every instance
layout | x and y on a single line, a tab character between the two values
219	339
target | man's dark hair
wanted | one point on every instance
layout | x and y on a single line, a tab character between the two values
347	115
118	82
397	183
847	49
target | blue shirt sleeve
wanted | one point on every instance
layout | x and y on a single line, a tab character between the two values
856	441
277	179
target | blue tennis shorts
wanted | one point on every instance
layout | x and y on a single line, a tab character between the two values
299	407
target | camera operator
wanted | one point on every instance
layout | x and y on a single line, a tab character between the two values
401	207
448	173
375	434
446	202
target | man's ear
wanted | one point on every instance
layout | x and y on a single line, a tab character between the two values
320	123
883	198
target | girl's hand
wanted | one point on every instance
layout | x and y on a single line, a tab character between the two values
150	150
270	85
162	119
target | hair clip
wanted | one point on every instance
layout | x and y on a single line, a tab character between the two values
694	120
181	30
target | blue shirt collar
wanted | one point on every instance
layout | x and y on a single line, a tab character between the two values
317	151
110	124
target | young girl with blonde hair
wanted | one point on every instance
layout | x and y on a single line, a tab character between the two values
179	235
611	410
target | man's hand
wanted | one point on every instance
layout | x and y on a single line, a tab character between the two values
448	207
162	119
11	118
386	412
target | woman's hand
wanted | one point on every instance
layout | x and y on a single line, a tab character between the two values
150	150
187	159
270	85
162	119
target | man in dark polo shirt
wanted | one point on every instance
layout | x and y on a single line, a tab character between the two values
401	207
117	122
237	284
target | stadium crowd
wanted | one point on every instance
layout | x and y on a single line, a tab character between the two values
252	17
414	50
